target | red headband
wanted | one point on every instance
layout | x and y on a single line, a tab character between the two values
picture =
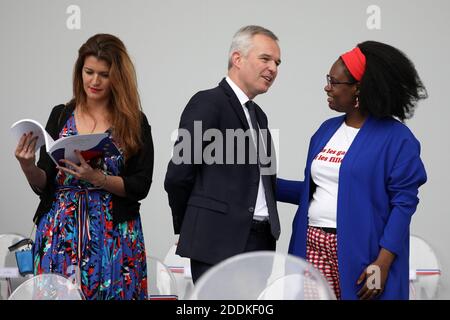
355	61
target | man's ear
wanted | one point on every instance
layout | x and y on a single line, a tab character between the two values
236	59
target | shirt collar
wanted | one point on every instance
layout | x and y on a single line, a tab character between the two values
237	91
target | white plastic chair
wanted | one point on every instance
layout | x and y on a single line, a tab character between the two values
10	278
47	286
181	269
425	271
161	283
262	275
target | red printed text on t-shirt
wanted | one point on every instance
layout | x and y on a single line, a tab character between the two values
330	155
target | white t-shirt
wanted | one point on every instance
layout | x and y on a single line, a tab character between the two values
325	175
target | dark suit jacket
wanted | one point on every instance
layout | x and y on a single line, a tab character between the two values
213	204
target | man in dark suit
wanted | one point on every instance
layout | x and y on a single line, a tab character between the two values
222	194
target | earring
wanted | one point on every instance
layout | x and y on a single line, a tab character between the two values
357	103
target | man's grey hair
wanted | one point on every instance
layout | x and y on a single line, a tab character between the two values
242	40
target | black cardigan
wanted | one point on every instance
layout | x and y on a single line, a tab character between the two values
137	172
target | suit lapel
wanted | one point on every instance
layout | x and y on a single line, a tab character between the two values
234	102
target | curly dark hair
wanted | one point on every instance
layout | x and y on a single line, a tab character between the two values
390	86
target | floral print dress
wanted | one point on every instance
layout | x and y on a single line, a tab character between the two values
77	238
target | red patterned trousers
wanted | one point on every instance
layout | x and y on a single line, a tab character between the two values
321	252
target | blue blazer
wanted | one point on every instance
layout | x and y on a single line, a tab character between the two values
379	179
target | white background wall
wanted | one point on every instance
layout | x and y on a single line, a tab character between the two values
180	47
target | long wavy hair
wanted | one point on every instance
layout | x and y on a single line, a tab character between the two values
125	106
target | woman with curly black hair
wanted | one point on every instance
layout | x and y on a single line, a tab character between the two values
362	177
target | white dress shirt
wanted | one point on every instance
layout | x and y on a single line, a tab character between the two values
261	212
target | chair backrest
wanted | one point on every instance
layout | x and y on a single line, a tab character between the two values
263	275
181	269
47	286
10	278
425	271
7	258
161	283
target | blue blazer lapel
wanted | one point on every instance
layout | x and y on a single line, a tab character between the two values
325	137
356	145
358	142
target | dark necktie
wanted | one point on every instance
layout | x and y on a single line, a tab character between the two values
267	183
